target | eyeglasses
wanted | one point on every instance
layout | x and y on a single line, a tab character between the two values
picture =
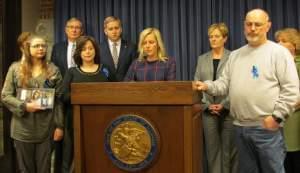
256	24
36	46
74	27
214	36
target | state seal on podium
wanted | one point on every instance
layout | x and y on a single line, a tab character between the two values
131	142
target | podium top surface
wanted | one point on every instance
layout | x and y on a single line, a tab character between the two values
136	93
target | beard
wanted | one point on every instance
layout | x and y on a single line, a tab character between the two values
252	38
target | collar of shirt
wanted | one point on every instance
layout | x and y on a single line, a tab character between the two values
111	44
70	44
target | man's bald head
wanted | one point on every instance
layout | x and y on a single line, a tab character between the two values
258	13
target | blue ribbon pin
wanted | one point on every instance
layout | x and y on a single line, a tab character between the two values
254	72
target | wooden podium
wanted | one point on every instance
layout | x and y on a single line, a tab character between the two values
170	107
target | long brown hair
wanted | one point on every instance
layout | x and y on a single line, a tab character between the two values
27	65
80	43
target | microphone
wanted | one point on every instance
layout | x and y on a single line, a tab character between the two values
145	54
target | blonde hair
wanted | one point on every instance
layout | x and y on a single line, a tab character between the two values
22	38
291	35
26	62
111	19
162	56
219	26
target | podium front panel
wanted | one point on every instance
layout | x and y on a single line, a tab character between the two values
97	118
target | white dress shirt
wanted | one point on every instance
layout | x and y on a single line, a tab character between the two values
70	60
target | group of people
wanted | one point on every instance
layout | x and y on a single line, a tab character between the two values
36	131
248	94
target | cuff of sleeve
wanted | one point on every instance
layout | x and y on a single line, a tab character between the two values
204	106
60	127
209	86
279	115
225	105
23	108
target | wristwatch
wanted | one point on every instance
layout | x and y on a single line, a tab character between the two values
277	119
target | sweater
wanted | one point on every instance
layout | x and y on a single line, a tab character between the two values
32	126
260	81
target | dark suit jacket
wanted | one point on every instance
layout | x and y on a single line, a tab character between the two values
59	56
127	54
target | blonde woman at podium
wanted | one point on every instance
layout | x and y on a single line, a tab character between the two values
86	57
153	64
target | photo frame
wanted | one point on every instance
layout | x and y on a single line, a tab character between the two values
44	97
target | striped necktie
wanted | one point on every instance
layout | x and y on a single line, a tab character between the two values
115	54
72	55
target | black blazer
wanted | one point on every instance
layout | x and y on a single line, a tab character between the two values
59	56
127	54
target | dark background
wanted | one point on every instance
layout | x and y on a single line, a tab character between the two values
183	23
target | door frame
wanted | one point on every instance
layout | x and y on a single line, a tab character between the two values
11	27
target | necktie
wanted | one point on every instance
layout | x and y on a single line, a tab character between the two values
115	54
72	55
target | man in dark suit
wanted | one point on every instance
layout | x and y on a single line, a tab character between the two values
62	57
116	52
62	52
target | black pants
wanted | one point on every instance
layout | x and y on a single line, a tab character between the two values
58	156
33	157
68	142
64	153
292	162
68	147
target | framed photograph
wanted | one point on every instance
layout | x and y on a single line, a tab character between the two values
42	96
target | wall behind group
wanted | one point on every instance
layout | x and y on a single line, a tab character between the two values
37	17
183	23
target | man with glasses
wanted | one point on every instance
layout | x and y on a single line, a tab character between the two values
62	57
63	51
263	86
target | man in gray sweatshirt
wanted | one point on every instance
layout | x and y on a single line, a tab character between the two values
263	86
